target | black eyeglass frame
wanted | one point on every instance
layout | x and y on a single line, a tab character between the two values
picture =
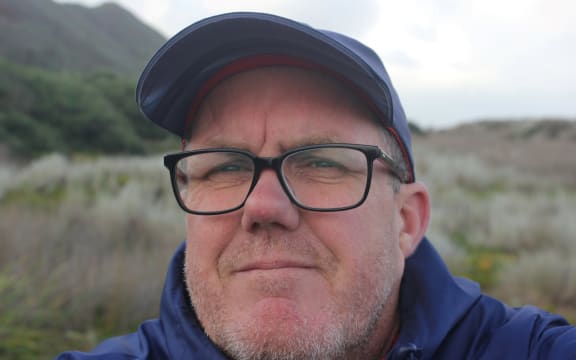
371	152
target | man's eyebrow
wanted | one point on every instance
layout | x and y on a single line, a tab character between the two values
314	140
215	144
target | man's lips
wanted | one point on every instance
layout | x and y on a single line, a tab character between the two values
274	265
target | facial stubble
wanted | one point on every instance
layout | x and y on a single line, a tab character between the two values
349	323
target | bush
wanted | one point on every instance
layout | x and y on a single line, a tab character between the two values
493	223
26	137
46	111
69	228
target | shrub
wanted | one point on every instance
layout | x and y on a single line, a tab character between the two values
498	226
62	255
43	112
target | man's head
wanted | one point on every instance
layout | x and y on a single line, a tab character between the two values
272	278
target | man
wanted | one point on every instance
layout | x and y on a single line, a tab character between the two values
305	225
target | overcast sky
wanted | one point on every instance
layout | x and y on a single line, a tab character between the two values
450	60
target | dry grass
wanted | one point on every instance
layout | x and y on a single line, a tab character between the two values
545	148
85	246
512	230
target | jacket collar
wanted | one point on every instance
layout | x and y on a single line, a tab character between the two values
185	338
432	301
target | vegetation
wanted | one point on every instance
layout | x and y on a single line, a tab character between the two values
86	241
513	232
69	228
72	37
43	112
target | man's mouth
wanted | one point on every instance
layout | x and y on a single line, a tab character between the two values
274	264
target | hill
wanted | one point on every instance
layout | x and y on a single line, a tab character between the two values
537	146
76	38
92	113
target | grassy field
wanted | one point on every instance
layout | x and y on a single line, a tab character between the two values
85	242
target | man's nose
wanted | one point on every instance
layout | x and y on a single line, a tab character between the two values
268	204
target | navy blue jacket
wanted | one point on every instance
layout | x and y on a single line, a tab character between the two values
443	317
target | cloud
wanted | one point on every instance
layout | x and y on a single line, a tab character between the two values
447	107
354	18
351	17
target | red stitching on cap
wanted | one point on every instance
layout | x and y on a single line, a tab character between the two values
394	133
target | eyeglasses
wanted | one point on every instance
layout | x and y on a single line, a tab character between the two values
325	177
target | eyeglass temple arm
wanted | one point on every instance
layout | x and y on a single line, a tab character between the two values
395	169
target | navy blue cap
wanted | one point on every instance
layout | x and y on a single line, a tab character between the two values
177	74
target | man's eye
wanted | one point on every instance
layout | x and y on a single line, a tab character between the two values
228	168
323	164
319	168
229	172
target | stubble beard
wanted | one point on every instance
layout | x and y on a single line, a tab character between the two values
354	317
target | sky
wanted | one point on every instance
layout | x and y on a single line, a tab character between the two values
451	61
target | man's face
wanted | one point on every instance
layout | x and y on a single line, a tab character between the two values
271	278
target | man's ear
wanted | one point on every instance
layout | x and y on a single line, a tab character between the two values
414	206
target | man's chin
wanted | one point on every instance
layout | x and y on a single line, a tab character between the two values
288	337
275	311
274	328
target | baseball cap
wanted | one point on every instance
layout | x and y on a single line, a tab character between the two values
189	64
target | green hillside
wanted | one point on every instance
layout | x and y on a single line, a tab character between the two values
75	38
42	112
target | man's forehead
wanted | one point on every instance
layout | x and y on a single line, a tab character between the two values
227	119
281	76
279	85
